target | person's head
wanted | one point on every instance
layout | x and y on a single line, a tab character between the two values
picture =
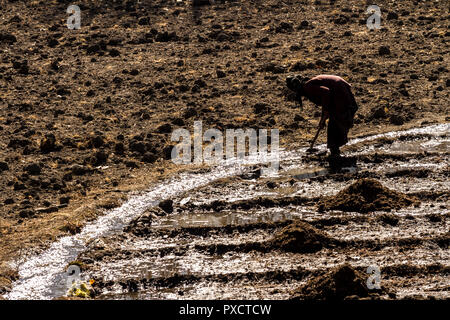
295	83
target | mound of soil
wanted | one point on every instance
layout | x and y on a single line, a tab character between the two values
366	195
300	237
341	282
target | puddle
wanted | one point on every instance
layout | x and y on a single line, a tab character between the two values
222	219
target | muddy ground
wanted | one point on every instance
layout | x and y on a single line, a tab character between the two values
267	238
86	115
234	234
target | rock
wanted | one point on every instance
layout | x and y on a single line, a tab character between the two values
164	128
18	186
300	66
26	214
403	92
21	66
200	83
93	49
271	185
220	74
252	174
96	141
434	217
7	38
259	108
119	148
100	157
322	63
392	16
79	170
49	209
166	36
52	42
341	19
273	68
137	146
178	122
33	169
131	164
61	91
304	24
149	157
48	144
189	113
54	65
64	200
396	119
144	21
114	52
284	27
384	50
378	113
3	166
117	80
166	205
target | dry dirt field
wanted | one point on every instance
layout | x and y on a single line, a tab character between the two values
86	118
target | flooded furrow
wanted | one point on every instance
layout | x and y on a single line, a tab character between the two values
223	221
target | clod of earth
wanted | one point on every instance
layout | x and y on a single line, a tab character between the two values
339	283
367	195
300	237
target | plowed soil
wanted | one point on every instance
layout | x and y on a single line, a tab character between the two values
86	115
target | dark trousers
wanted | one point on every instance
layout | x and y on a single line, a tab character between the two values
338	127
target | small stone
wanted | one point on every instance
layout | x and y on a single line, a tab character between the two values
384	50
33	169
396	119
100	157
392	16
119	148
144	21
166	205
131	164
164	128
48	144
114	53
3	166
64	200
221	74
